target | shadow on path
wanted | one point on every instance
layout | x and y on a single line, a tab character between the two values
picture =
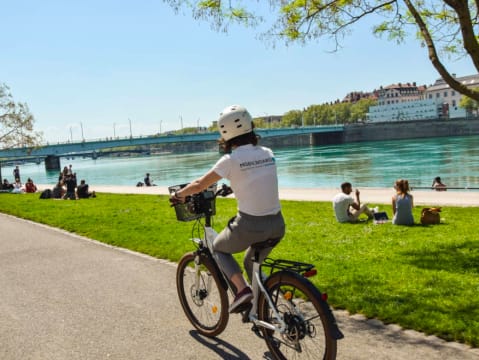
224	349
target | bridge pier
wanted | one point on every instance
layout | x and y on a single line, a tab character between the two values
327	138
52	162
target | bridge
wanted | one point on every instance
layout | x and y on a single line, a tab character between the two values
52	152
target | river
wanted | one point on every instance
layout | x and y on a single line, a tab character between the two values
365	164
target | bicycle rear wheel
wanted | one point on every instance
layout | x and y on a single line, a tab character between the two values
204	300
309	332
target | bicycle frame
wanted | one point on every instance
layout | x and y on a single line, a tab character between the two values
257	284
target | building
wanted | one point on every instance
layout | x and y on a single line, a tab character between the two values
402	101
449	98
410	110
399	93
410	102
355	96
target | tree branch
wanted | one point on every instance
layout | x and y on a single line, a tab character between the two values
469	38
433	56
366	12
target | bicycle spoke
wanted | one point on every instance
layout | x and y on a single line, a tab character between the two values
203	299
308	334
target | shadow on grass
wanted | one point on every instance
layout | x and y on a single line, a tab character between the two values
413	309
451	257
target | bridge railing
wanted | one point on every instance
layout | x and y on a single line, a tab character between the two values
68	147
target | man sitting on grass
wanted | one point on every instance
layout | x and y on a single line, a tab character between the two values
82	191
348	209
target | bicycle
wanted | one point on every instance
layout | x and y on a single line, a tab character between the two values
287	310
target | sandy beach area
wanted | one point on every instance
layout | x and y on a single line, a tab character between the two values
368	195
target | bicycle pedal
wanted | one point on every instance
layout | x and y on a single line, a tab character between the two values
245	313
257	332
242	307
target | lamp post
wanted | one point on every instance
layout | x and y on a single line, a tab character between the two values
114	130
161	121
82	137
131	135
267	120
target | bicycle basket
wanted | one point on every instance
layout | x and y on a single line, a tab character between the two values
196	206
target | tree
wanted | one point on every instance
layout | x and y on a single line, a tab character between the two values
16	122
471	106
292	118
444	27
360	109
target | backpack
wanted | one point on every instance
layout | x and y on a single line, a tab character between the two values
46	194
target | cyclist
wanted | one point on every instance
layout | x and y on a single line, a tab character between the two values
251	171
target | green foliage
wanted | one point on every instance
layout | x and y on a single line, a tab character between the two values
360	109
443	26
469	104
421	277
292	118
16	122
328	114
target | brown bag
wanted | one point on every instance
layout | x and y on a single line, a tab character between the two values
430	216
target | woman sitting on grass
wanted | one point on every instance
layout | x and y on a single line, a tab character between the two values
402	204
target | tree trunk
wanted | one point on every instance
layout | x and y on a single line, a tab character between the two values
441	69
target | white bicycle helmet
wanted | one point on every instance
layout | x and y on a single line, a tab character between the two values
234	121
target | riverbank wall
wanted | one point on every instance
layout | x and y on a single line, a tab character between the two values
392	130
398	130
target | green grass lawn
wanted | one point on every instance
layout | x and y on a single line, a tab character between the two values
420	277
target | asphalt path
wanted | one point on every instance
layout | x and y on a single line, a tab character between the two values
63	296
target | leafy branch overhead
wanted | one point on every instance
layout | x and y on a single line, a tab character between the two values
444	27
16	122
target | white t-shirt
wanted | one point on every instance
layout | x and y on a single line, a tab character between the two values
251	171
341	203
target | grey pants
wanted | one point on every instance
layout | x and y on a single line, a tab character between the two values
243	231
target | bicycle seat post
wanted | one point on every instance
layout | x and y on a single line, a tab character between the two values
255	279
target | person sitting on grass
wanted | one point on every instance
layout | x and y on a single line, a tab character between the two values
58	191
17	187
30	187
402	204
82	191
348	209
6	186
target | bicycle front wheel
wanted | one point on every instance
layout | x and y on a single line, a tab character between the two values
204	300
308	333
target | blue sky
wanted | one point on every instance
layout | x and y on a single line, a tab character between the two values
99	65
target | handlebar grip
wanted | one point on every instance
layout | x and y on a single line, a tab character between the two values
225	190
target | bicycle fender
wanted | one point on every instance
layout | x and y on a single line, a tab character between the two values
206	257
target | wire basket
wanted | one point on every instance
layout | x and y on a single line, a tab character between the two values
195	206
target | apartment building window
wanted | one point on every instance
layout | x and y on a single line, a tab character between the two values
453	93
445	93
430	96
438	95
